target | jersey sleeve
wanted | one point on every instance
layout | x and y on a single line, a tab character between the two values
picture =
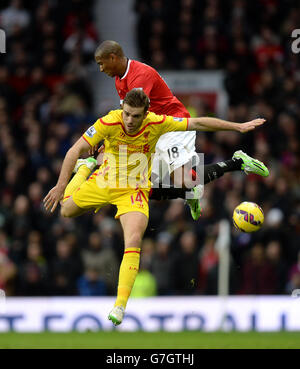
99	130
94	134
102	128
172	124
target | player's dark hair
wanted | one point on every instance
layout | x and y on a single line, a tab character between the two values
136	98
109	47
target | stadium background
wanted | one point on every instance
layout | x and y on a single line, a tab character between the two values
49	95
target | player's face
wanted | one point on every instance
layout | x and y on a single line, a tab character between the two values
133	118
107	64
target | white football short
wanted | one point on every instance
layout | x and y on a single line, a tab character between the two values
173	150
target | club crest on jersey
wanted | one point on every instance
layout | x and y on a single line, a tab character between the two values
146	135
122	134
178	119
90	132
146	148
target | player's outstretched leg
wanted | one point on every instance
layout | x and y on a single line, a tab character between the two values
239	162
251	165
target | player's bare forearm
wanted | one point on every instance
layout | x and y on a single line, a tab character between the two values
67	168
214	124
80	147
56	193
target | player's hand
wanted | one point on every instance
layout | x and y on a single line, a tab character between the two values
53	197
249	126
100	155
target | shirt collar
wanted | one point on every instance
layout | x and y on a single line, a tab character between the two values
127	69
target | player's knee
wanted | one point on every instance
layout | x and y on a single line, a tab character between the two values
65	212
70	210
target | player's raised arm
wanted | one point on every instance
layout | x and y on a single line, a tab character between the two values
56	193
214	124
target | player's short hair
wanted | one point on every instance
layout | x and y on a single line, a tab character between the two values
136	98
109	47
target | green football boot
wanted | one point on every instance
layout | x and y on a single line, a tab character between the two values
116	315
195	204
251	165
90	162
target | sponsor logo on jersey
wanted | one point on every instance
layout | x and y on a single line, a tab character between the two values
90	132
178	119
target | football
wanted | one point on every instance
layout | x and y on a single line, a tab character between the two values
248	217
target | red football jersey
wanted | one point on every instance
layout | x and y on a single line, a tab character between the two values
162	101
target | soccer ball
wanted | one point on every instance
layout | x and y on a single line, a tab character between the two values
248	217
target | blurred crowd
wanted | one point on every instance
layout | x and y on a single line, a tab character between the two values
46	104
